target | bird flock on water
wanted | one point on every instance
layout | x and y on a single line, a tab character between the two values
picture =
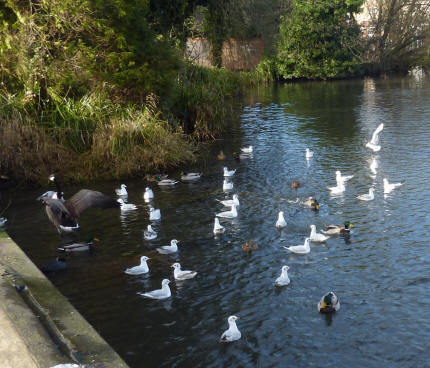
64	214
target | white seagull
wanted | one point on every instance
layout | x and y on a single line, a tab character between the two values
373	144
247	149
149	233
229	173
342	179
162	293
389	187
167	249
309	153
182	274
227	185
218	228
300	249
228	214
281	221
368	196
121	191
138	270
230	202
233	332
338	189
148	195
154	214
283	279
315	237
126	206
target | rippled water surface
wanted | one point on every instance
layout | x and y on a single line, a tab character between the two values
381	273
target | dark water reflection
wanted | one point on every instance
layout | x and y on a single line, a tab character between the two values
381	274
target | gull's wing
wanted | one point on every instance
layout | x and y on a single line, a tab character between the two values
375	137
86	198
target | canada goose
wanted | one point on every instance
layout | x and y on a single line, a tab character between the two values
64	214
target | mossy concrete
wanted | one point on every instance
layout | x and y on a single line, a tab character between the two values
24	339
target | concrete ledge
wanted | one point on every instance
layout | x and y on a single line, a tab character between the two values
24	341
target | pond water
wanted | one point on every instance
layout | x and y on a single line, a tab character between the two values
381	273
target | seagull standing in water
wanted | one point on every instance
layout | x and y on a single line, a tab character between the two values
162	293
373	144
233	333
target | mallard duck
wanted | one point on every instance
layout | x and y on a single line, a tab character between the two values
283	279
64	214
339	229
249	246
233	333
220	156
300	249
312	203
186	176
329	303
122	191
240	156
162	293
166	182
80	247
179	274
153	178
295	184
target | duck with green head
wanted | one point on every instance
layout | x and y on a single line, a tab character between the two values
329	303
186	176
312	203
339	229
80	247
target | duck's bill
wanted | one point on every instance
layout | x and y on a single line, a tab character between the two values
96	239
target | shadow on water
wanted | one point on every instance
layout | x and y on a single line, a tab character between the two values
378	272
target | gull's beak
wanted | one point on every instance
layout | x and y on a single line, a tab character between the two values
96	239
171	266
237	317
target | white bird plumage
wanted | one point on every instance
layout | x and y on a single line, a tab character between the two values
154	214
248	149
342	178
227	185
182	274
126	206
368	196
162	293
149	233
316	237
283	279
121	191
148	195
280	223
218	228
338	189
167	249
230	202
373	144
300	249
140	269
233	332
229	173
228	214
167	182
309	153
389	187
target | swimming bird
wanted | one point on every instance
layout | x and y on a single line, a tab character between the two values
233	332
247	149
80	247
241	156
389	187
162	293
309	153
315	237
122	191
154	214
126	206
368	196
329	303
186	176
373	144
280	223
230	202
182	274
59	194
339	229
167	249
54	266
220	156
295	184
228	173
342	179
166	182
338	189
228	214
148	195
249	246
300	249
64	215
3	221
218	228
283	279
227	185
312	203
149	233
140	269
374	166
